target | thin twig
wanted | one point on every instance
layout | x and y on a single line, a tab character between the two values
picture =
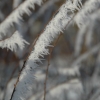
49	58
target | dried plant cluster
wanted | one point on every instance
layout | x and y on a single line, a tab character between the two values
80	74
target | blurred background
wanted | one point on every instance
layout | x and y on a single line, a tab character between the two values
74	71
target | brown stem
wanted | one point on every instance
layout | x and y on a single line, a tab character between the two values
49	58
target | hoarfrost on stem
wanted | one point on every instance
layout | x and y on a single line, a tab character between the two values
14	41
16	15
52	30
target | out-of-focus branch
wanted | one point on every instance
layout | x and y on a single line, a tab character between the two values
85	55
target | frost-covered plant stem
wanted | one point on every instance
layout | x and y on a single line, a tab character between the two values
56	25
82	19
13	42
83	16
16	15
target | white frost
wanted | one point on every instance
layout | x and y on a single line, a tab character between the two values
89	7
52	30
14	41
16	15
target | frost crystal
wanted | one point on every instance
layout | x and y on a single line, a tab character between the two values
89	7
14	41
52	30
16	15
